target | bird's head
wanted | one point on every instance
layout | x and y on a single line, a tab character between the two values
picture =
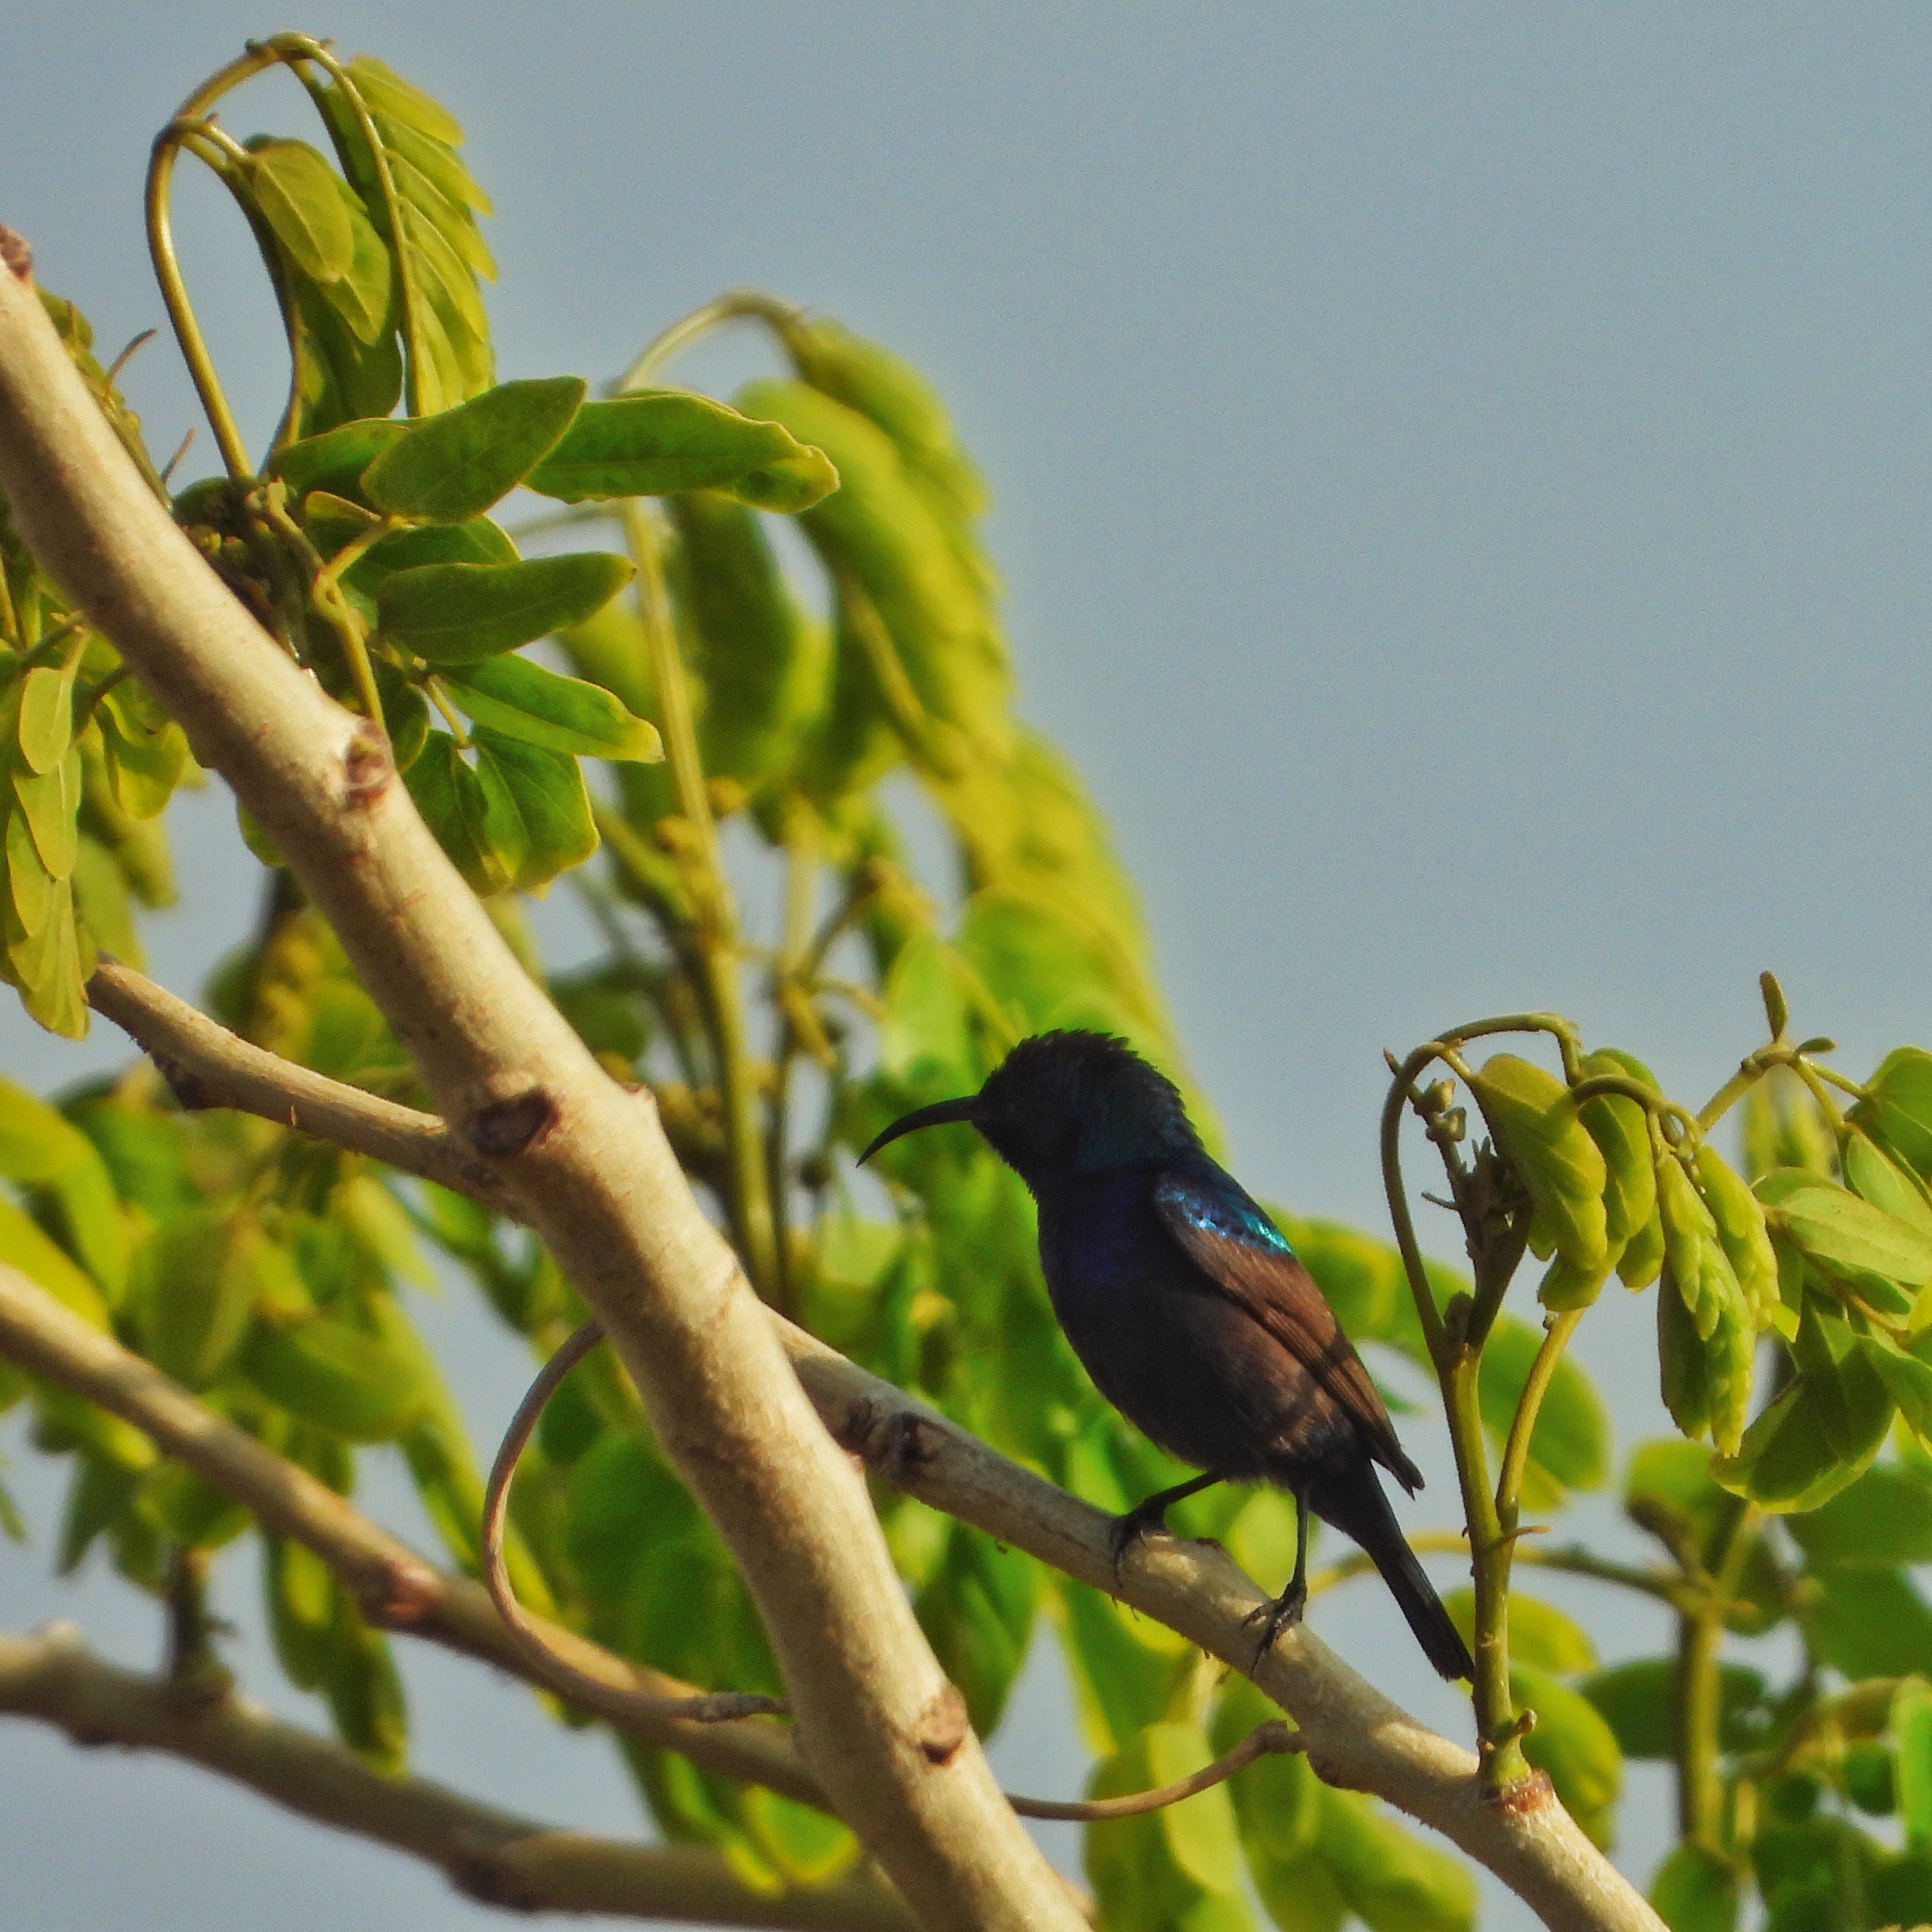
1065	1103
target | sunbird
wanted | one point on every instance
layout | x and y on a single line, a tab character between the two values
1191	1312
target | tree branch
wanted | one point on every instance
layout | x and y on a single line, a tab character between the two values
394	1587
1356	1738
490	1856
207	1066
587	1166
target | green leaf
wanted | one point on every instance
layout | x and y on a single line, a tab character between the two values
29	885
1695	1890
51	802
46	713
385	91
479	541
194	1288
1638	1700
334	460
526	702
1839	1234
38	1144
1622	1135
1683	1377
1907	1377
1574	1745
1789	1459
1570	1446
147	752
1740	1227
1848	1397
1871	1174
434	159
1897	1108
300	196
459	614
545	792
364	295
879	531
1911	1735
344	1380
452	466
1867	1623
1393	1881
665	441
449	795
1536	1127
1883	1519
765	667
25	1246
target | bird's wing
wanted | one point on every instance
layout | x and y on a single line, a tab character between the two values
1242	1253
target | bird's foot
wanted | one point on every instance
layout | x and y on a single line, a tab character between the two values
1277	1616
1125	1531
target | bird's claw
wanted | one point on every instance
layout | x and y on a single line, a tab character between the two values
1135	1526
1277	1616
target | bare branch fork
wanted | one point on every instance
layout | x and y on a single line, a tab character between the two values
587	1167
490	1856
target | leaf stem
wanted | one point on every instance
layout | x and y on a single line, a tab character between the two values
714	933
174	287
735	305
1516	1451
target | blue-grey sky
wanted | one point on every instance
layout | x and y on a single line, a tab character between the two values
1460	477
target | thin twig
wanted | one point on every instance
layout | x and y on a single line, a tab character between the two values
594	1694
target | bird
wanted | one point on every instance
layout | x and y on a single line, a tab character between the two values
1190	1311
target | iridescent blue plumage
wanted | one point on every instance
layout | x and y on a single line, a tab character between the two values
1189	1309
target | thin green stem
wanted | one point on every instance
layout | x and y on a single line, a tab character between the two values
174	287
802	864
1695	1710
326	596
1753	1069
1515	1450
735	305
1502	1761
714	933
433	691
1401	1090
10	618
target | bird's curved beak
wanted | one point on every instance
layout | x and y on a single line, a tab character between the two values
936	1115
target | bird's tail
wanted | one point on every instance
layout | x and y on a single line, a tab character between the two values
1354	1504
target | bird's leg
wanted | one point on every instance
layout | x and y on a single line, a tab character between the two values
1126	1531
1287	1607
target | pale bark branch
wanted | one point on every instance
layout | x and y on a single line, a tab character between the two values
394	1587
1355	1737
587	1166
188	1047
492	1856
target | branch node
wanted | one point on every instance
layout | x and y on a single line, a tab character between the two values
1523	1796
506	1128
17	255
943	1726
404	1595
367	766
